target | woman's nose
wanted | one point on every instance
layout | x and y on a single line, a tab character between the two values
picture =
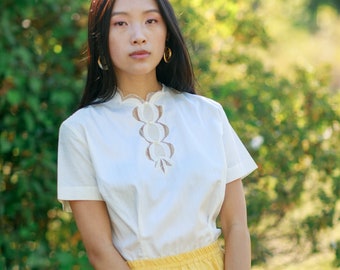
137	36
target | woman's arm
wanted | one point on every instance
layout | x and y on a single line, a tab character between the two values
94	225
233	217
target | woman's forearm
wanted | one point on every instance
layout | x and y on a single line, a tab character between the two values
233	216
96	233
108	259
237	248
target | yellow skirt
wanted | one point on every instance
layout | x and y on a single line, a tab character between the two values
207	258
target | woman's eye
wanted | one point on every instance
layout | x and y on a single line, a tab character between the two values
150	21
119	23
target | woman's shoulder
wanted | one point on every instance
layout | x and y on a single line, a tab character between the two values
76	116
78	119
197	101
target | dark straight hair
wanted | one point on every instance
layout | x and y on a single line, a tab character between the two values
101	83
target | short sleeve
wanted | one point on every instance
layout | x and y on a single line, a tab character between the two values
76	177
239	162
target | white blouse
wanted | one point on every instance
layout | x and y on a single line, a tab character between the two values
160	165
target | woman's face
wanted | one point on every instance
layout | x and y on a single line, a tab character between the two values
137	37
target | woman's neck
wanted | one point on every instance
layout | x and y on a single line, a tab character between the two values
140	86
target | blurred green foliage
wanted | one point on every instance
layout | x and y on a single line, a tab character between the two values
314	6
41	76
289	123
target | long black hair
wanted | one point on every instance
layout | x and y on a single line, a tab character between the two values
101	83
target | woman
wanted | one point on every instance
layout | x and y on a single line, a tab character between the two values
145	165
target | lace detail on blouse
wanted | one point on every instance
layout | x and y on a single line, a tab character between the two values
155	134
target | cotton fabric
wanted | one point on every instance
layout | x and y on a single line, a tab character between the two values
161	166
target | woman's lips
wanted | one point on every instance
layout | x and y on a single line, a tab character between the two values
140	54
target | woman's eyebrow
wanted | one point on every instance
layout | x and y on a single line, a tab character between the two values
115	13
152	10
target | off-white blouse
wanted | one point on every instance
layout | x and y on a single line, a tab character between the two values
160	165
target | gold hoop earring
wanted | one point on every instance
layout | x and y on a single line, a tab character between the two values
167	55
102	67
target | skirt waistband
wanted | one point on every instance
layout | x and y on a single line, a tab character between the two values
212	252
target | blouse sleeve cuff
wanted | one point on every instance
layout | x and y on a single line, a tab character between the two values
67	194
240	171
